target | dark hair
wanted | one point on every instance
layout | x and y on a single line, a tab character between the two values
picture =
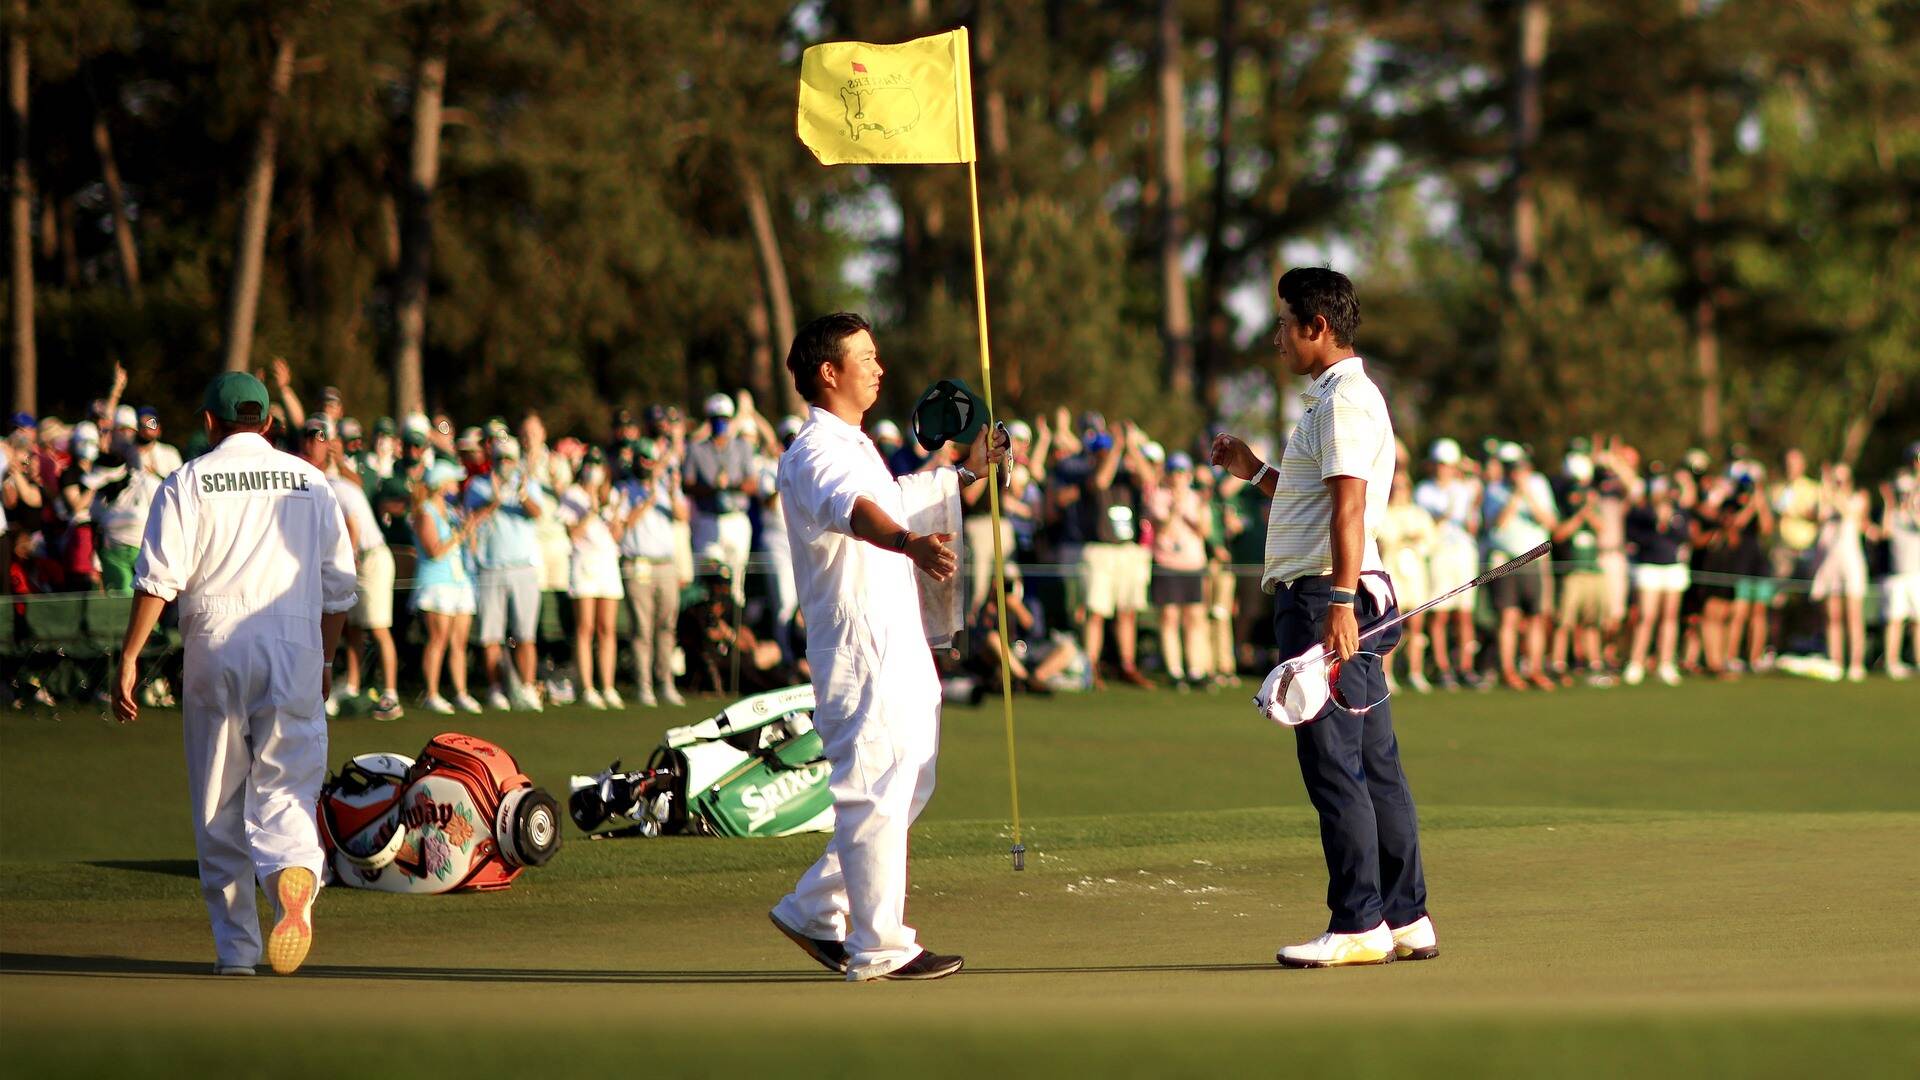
251	421
1316	290
820	342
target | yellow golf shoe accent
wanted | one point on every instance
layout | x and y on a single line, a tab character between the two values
293	892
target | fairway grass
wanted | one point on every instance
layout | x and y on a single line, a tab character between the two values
1691	881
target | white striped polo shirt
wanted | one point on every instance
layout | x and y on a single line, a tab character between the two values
1345	432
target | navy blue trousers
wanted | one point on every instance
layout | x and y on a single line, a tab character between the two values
1351	765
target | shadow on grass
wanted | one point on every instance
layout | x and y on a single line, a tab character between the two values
131	967
168	867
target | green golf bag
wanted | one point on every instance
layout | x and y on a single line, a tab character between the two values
757	769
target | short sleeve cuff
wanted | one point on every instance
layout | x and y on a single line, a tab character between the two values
155	588
840	509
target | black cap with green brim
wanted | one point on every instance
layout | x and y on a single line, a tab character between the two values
948	412
230	394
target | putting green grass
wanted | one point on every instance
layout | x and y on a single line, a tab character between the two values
1707	880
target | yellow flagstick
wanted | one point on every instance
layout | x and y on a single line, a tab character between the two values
993	510
912	104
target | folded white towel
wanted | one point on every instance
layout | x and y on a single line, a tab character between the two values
933	506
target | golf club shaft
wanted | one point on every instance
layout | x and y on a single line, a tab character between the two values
1494	574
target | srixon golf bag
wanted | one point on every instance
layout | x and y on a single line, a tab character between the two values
461	816
757	769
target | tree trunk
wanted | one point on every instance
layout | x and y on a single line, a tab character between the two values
1525	255
416	237
26	365
69	245
773	275
1706	313
129	255
1215	342
1176	317
243	299
760	364
999	144
1861	425
1096	113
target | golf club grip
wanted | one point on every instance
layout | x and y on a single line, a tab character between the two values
1492	575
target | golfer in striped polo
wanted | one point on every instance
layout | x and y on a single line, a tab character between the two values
1324	571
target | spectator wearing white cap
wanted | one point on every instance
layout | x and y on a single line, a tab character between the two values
1900	522
79	486
442	588
721	477
1519	513
1021	498
507	558
1582	611
126	432
1452	497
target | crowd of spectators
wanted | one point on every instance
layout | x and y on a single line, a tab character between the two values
1141	563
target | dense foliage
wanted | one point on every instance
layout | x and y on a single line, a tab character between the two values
1723	244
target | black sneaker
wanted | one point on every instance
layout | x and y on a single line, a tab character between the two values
927	966
830	954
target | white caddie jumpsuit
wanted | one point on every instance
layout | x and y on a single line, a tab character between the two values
877	695
251	543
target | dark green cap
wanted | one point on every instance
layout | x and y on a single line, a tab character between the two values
228	394
948	412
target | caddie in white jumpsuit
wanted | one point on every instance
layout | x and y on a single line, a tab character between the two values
877	696
251	543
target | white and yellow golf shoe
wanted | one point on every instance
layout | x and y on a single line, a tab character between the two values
1415	941
1373	946
292	890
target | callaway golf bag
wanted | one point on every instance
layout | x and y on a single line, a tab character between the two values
462	816
754	770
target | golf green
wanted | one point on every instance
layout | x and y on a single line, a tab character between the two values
1712	879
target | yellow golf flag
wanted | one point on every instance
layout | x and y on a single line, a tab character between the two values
905	104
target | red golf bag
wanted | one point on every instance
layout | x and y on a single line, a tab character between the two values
461	816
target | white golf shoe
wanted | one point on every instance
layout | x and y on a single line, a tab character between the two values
1415	941
1375	946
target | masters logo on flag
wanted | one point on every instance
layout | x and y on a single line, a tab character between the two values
905	104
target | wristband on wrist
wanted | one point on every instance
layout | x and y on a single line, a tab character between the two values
900	541
1341	598
1261	474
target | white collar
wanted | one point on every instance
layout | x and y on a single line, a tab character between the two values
243	438
1318	388
835	426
